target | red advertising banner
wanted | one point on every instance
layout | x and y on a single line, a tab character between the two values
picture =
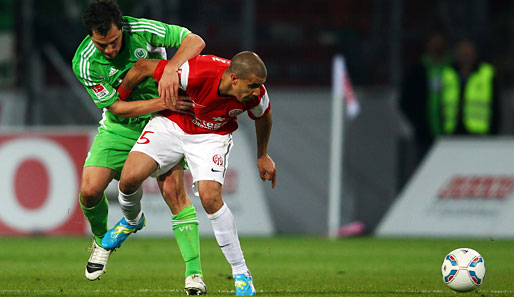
40	179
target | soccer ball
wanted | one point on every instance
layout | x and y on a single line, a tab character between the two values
463	270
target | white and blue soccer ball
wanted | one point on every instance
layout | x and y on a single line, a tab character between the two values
463	270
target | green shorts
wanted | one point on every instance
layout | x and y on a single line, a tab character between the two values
110	150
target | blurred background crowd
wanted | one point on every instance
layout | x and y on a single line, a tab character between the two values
297	38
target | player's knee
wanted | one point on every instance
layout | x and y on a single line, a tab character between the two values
211	201
129	182
90	194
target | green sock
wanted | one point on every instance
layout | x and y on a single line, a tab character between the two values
185	227
97	217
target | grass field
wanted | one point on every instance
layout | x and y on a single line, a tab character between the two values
282	266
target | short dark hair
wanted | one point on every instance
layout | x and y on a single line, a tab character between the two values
247	63
100	15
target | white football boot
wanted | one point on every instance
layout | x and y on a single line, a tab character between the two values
195	285
97	262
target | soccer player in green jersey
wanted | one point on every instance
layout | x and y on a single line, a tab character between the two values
113	45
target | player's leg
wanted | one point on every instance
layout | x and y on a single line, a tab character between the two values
92	198
153	154
207	157
224	227
185	227
223	224
103	163
137	168
95	208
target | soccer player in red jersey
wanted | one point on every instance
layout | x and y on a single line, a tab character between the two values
220	90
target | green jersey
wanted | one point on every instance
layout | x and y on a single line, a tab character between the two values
142	38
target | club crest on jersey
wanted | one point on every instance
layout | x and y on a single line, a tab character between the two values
140	53
235	112
218	160
100	91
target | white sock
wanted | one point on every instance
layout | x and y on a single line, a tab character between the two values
224	226
131	205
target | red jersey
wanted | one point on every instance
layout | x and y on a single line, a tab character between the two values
200	78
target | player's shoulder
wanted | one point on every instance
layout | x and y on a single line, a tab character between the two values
213	60
208	63
205	66
83	47
142	26
85	52
132	21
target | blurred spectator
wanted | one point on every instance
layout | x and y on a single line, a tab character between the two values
420	98
470	94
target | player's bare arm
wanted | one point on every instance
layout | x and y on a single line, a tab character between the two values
142	69
190	47
145	68
265	164
127	109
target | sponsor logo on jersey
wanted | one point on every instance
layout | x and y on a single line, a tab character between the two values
218	160
140	53
113	71
218	119
235	112
100	91
208	125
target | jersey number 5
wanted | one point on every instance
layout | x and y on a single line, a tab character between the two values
143	139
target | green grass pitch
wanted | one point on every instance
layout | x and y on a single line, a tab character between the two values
281	266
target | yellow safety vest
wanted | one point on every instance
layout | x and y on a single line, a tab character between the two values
478	97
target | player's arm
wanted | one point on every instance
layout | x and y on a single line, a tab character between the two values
145	68
127	109
142	69
105	95
190	47
265	164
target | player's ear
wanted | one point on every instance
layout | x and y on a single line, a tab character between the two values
233	79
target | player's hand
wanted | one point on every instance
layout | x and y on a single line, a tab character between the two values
267	169
184	104
168	87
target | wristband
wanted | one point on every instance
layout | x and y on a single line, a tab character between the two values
159	70
123	93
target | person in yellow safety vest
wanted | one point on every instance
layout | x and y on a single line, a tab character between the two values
470	99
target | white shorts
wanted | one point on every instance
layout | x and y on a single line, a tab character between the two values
206	154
